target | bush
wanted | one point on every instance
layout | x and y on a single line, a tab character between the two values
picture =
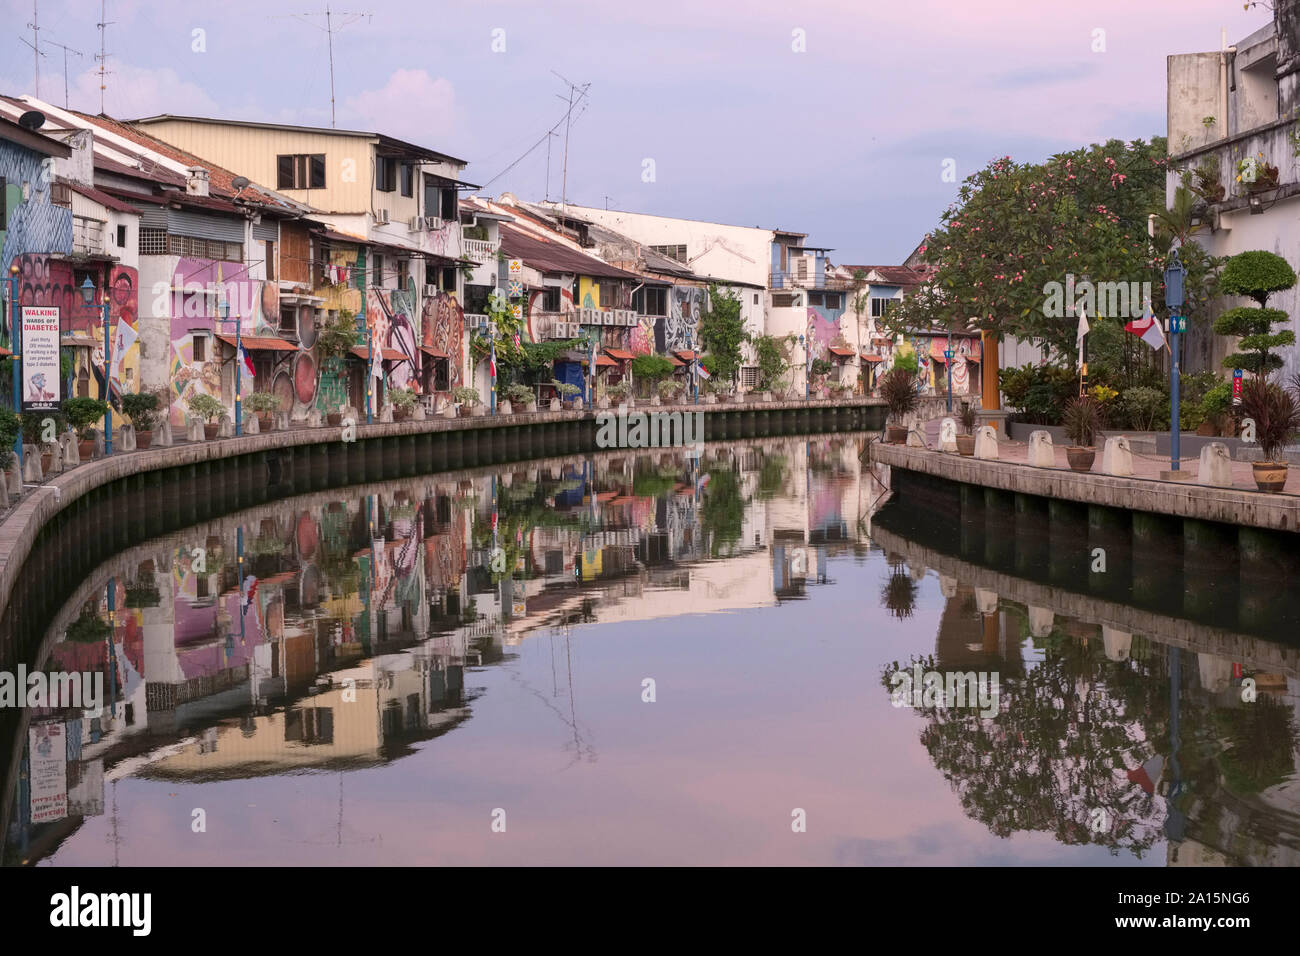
1146	409
651	368
466	395
669	388
10	426
1217	401
142	409
1256	275
33	425
1040	392
908	362
519	395
1083	420
1276	415
84	412
565	389
620	391
262	402
205	406
898	389
403	398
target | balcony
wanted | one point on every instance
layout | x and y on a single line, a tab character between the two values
88	237
801	280
1268	148
481	250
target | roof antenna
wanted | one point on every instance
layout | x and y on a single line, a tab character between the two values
102	56
35	44
329	31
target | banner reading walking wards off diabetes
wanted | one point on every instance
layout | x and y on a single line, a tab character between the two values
40	358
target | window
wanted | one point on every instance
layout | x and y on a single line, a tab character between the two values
200	348
268	253
551	299
121	234
379	270
300	171
449	203
386	174
408	179
4	210
749	377
441	380
403	272
449	280
476	299
289	321
153	242
672	252
654	300
833	300
61	195
880	306
815	298
756	298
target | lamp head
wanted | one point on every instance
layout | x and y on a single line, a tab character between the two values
87	291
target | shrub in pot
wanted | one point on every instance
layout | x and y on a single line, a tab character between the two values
83	414
207	408
142	409
403	401
468	399
568	392
620	393
263	405
1216	403
669	390
898	389
1082	420
966	440
1277	417
520	397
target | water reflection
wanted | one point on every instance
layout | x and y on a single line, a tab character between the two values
297	671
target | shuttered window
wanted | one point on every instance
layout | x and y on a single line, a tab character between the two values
300	171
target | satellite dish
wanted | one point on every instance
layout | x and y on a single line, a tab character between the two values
32	119
240	182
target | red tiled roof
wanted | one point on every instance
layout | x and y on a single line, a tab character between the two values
255	343
871	357
841	352
387	355
685	355
620	354
604	360
429	350
103	198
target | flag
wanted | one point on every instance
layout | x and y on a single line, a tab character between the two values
245	360
1148	329
124	337
517	345
1083	330
493	364
702	371
376	370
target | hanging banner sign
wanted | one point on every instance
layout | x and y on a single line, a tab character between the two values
48	774
40	358
1236	386
516	270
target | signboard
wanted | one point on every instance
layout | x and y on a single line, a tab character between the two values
40	358
517	269
1236	386
1178	323
517	310
48	750
516	288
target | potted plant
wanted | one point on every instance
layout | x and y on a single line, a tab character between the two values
668	390
621	392
207	408
1082	421
966	440
334	418
403	400
82	414
1277	417
262	404
1215	405
898	389
142	409
521	397
468	399
568	392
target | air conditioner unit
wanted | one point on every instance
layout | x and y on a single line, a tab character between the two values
476	321
589	317
433	223
415	223
607	317
381	217
430	290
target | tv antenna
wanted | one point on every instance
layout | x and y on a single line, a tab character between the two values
35	44
330	28
66	50
102	56
581	91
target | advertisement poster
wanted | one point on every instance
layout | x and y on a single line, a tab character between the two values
40	358
49	770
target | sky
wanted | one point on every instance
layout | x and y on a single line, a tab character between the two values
836	118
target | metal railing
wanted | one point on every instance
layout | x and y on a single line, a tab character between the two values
480	250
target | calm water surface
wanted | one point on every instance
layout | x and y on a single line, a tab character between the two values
380	674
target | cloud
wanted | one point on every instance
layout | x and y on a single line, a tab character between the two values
412	105
136	91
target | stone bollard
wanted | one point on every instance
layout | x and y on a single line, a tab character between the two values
225	426
417	413
948	435
947	586
55	451
1041	453
352	413
162	432
916	437
71	453
449	411
555	405
252	425
1117	459
577	404
1215	672
986	443
1215	467
314	419
126	438
386	413
194	429
4	495
14	479
986	602
280	420
1118	644
32	474
99	443
1041	621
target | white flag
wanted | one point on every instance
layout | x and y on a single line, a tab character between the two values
1083	328
124	337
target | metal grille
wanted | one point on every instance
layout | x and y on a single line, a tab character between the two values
749	377
153	242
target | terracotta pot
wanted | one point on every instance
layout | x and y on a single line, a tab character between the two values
895	434
263	422
143	440
966	445
1080	458
86	450
1269	475
466	411
401	414
210	431
334	418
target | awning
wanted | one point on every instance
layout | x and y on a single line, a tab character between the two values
430	350
604	360
872	357
619	354
676	361
253	343
81	342
386	355
841	352
686	355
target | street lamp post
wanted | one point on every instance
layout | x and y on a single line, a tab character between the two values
1174	273
239	362
15	340
807	375
947	354
88	297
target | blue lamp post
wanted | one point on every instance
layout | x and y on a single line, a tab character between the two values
88	297
1174	273
15	341
239	367
807	372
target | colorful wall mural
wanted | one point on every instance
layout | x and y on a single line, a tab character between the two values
443	331
677	330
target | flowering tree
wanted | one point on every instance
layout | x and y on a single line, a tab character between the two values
1018	227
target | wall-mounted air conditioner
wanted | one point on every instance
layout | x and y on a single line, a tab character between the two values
381	217
415	224
430	290
589	316
433	223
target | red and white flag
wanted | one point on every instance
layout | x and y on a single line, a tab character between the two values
248	362
1148	330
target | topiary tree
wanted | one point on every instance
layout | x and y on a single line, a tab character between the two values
1256	275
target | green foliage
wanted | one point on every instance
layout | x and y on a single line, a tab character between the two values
519	395
403	398
466	395
84	412
88	628
967	417
566	389
1257	275
1083	420
773	359
337	335
33	425
261	402
1146	408
908	362
669	388
142	409
822	367
1217	400
721	331
10	425
205	406
67	363
1252	325
722	513
898	389
651	368
619	390
532	362
1040	392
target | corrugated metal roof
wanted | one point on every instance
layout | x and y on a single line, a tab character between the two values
545	256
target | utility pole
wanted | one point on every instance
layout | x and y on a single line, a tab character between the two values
35	44
329	16
103	25
66	50
568	117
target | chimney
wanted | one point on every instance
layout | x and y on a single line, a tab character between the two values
196	181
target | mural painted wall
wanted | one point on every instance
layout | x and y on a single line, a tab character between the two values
34	224
678	329
392	320
340	292
443	330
